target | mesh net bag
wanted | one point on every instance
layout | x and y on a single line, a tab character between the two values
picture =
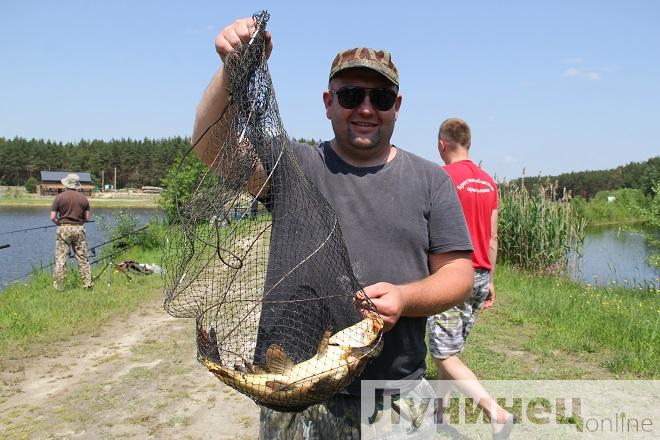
279	314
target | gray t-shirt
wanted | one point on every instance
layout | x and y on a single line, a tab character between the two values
391	216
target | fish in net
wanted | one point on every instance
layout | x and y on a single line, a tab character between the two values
279	314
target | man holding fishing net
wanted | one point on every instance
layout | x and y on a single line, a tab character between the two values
399	216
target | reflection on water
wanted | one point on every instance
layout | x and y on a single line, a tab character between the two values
614	255
36	248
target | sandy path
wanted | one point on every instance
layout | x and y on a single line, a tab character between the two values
135	378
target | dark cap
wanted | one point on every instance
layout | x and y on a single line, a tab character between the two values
379	61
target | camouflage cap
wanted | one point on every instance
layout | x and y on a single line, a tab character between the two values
380	61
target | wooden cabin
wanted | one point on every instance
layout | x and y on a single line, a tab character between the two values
50	183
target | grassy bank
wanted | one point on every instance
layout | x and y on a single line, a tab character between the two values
34	314
545	327
618	324
95	202
541	327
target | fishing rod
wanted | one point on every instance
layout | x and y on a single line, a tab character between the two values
98	275
92	249
122	249
32	229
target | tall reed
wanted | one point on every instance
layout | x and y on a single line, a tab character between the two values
536	230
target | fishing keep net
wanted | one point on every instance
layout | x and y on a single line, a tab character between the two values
279	314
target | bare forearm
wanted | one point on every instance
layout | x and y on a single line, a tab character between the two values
448	286
492	246
213	102
492	255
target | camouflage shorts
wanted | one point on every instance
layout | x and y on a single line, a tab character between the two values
449	330
339	418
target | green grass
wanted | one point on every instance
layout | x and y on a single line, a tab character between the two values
33	312
545	327
542	327
127	202
621	322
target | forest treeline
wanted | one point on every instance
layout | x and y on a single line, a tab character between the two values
138	162
635	175
145	163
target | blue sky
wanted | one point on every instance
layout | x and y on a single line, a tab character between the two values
547	86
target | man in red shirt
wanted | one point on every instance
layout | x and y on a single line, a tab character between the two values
448	331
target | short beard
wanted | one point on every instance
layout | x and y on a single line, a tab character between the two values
375	140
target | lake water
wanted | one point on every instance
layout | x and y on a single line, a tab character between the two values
610	253
36	248
614	255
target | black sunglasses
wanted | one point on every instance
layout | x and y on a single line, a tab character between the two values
351	97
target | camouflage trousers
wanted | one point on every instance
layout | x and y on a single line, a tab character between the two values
340	418
71	236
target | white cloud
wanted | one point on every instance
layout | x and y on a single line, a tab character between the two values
510	159
574	72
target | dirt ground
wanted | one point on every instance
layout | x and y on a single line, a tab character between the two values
137	377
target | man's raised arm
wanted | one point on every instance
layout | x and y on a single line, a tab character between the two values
216	97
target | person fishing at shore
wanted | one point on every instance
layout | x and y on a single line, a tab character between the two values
399	215
70	211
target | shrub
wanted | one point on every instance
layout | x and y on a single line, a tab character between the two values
31	185
651	215
182	181
121	233
625	207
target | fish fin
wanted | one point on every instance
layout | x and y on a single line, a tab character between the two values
323	345
277	385
277	360
213	340
207	344
254	369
